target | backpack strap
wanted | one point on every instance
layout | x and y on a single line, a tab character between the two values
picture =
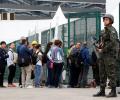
37	57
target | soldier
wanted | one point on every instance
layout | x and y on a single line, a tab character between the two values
108	54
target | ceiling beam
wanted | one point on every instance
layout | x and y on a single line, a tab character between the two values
78	1
23	2
25	17
43	8
13	1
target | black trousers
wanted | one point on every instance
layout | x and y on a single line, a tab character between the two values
20	80
12	70
96	75
74	75
57	71
2	71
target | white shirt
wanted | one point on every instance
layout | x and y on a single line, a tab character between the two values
39	62
10	59
49	55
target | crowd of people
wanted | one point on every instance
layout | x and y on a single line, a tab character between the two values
31	61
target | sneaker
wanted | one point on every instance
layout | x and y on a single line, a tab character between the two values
29	87
10	85
13	85
20	86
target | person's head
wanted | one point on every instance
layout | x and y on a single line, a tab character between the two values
34	43
3	44
22	38
57	42
37	46
84	44
48	47
78	45
49	44
12	45
24	41
108	20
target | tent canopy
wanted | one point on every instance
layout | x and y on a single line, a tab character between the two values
58	20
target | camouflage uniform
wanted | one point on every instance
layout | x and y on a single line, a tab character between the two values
108	56
108	53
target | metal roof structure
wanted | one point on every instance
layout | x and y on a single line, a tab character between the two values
45	9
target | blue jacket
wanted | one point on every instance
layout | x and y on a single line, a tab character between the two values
24	52
18	48
85	56
57	54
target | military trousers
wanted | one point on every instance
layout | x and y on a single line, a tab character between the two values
107	70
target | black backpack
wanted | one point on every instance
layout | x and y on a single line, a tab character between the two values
24	61
34	58
44	58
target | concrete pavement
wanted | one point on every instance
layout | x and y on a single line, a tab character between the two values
51	94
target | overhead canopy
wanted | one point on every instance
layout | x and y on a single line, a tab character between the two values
58	20
45	9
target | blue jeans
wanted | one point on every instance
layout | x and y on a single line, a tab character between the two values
37	72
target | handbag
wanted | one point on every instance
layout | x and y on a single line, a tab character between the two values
51	65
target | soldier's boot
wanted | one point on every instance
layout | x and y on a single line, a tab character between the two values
112	93
100	93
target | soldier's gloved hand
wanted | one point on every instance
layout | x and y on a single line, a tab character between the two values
99	50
